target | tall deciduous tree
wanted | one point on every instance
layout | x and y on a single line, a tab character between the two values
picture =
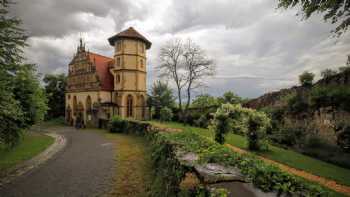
55	86
12	41
172	66
30	94
22	100
197	66
335	11
186	65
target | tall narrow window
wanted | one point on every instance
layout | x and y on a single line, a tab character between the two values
129	107
118	78
118	61
141	62
119	46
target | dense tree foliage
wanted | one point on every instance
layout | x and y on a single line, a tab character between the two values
30	94
204	101
230	97
306	79
55	86
22	100
161	96
337	12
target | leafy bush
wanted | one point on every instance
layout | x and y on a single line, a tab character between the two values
264	176
330	96
117	125
297	104
288	135
202	122
343	139
257	124
306	79
166	114
235	117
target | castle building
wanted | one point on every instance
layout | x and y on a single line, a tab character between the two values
100	87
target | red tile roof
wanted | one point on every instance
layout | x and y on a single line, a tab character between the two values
129	33
102	69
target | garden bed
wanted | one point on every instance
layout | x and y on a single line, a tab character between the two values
169	148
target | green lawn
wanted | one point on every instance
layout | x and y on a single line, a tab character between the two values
30	145
288	157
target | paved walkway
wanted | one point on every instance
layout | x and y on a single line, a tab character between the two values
83	168
311	177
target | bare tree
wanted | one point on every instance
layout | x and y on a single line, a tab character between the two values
198	66
172	67
186	65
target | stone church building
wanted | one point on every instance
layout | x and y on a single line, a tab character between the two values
99	87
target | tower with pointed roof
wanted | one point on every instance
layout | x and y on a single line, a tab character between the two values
129	72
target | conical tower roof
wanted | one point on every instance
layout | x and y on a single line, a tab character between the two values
129	33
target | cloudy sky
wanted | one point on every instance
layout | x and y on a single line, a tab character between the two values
257	48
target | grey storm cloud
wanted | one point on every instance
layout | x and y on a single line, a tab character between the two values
58	18
257	48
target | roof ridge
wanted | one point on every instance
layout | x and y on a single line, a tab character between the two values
93	53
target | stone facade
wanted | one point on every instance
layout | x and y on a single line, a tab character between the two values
100	87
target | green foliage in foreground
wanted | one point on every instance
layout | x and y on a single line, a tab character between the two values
169	172
31	145
264	176
285	156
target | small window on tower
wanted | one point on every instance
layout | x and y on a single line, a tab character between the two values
141	62
118	61
119	46
118	78
142	48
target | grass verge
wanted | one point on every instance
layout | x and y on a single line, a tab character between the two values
133	165
29	146
288	157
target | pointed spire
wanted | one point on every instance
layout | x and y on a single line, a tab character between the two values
81	42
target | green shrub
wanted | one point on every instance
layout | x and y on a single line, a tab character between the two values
343	139
202	121
117	125
337	97
264	176
257	123
166	114
241	120
288	135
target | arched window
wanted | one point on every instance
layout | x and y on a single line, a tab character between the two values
129	107
118	78
75	104
88	104
142	105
